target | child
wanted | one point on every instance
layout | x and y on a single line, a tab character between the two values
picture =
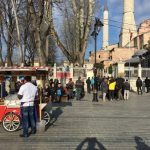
59	92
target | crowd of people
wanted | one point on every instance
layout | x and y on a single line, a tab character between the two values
110	88
118	88
53	90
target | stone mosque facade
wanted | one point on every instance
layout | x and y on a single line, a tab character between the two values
130	39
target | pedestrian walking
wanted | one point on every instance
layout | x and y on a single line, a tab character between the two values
27	94
126	87
139	86
147	84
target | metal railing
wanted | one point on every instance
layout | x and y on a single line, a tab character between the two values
131	72
145	72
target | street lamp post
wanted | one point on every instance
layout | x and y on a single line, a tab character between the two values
98	24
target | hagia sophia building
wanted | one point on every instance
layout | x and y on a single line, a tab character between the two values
131	39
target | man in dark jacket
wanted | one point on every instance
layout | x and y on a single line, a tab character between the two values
147	84
139	85
88	82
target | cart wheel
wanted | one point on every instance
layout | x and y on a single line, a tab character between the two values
11	122
46	117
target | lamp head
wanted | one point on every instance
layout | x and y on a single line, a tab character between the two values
98	24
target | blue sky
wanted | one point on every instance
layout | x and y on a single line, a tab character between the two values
142	12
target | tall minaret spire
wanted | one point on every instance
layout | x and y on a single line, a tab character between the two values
128	24
105	27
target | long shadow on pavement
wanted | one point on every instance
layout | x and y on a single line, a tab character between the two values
141	144
90	143
55	115
57	112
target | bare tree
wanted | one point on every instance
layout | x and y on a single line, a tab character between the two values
10	27
18	31
1	45
1	56
76	29
33	23
7	28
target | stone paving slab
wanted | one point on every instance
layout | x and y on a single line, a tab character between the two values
79	125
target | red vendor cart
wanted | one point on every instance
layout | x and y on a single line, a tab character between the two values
10	116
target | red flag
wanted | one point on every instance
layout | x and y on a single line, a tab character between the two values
131	34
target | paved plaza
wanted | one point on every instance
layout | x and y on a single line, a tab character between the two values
81	125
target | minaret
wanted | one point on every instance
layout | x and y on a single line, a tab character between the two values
105	27
128	24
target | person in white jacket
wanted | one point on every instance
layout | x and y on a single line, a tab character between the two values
27	94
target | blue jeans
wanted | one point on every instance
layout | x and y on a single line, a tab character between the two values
28	119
